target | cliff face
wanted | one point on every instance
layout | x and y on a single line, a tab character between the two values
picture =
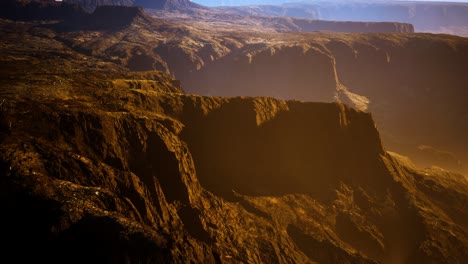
100	164
264	147
413	84
405	85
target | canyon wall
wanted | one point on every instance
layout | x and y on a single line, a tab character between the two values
416	94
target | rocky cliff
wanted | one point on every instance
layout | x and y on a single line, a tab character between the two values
102	164
414	84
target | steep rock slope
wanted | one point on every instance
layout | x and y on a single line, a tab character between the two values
99	164
413	84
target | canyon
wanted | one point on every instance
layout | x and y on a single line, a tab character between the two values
150	136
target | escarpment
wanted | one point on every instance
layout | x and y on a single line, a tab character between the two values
277	156
416	95
289	72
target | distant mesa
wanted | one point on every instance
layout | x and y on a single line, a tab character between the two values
90	5
165	4
39	10
73	15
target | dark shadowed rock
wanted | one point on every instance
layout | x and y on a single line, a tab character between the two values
115	16
40	10
90	5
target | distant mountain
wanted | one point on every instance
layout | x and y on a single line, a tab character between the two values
434	17
43	10
164	4
242	2
90	5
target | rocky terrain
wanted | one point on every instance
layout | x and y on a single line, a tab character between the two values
386	74
105	159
